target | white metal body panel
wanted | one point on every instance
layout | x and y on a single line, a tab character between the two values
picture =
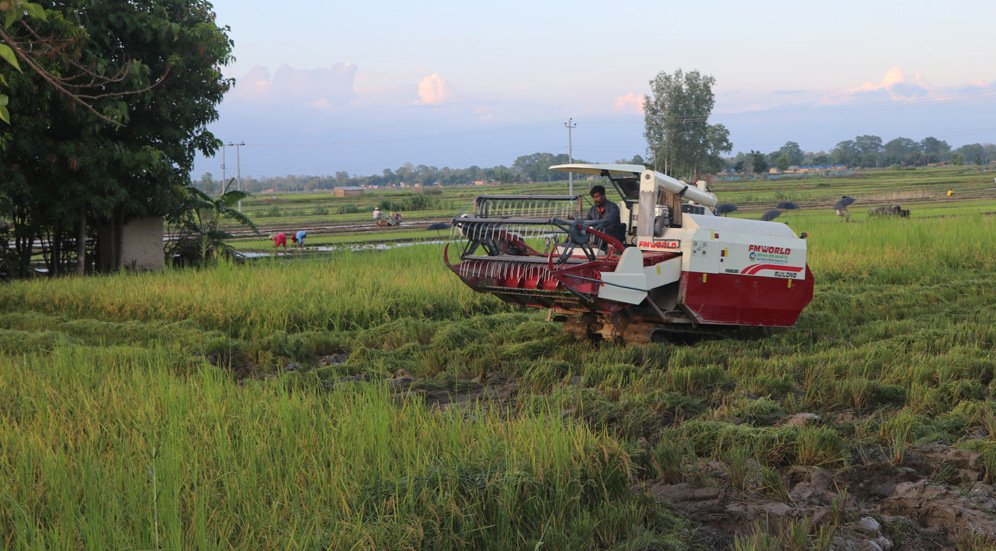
651	181
712	244
597	169
631	280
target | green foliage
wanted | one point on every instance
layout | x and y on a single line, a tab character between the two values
198	235
12	12
868	151
410	202
129	152
676	115
7	54
758	162
149	451
289	375
536	167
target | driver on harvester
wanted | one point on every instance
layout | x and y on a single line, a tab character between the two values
608	211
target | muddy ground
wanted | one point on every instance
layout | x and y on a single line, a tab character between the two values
934	497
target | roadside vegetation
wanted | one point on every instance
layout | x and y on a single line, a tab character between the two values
368	400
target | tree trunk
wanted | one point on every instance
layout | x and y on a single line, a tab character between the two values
81	243
24	241
54	260
119	222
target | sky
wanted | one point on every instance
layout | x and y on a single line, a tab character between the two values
363	86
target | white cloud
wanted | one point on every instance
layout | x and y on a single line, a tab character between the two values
322	88
631	103
433	90
895	86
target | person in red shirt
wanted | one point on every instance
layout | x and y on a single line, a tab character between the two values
279	240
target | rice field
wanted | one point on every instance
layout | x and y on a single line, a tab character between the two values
368	400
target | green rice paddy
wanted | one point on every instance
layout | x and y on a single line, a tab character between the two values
368	400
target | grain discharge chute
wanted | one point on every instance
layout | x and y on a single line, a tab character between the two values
679	268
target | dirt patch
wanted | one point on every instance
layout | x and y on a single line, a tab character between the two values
873	505
444	393
455	392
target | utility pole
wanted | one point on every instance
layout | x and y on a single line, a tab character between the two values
223	182
570	154
238	167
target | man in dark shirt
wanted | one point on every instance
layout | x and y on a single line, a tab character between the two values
606	210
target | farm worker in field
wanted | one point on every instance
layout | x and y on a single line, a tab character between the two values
279	240
950	193
606	210
377	214
299	238
395	218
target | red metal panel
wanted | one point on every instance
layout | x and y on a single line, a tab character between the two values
732	299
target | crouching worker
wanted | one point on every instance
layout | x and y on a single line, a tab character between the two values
280	240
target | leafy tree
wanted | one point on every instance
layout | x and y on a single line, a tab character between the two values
974	153
196	230
500	173
934	150
846	153
46	39
718	141
758	162
820	159
536	167
869	150
902	152
792	153
405	173
679	139
67	168
12	12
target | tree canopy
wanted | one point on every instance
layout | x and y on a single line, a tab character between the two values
68	168
680	140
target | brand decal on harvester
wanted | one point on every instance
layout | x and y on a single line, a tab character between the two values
768	253
664	244
767	249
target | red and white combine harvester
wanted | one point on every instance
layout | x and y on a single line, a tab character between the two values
680	270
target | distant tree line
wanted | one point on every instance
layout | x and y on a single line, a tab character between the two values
865	152
534	167
861	152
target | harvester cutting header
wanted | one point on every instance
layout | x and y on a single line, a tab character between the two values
678	268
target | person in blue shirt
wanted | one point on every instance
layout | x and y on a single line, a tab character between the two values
606	210
299	238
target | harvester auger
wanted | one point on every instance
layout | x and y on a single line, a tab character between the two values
679	270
